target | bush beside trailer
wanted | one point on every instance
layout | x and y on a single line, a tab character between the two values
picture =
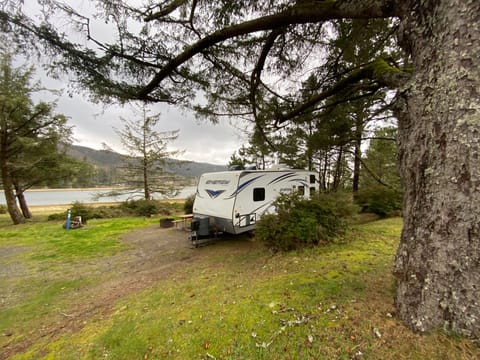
233	201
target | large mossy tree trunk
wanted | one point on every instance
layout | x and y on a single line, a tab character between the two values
438	260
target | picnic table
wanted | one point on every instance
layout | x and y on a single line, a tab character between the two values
184	221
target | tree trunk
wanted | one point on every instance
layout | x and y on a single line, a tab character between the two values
146	185
9	192
438	260
337	175
359	118
325	172
27	214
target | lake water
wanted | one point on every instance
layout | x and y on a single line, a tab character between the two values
57	197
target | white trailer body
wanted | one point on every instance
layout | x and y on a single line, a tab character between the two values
233	201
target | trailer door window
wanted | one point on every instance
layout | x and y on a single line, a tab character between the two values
258	194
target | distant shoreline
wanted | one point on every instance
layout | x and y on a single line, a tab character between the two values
77	189
93	196
64	207
94	204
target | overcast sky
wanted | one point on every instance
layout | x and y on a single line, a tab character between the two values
94	124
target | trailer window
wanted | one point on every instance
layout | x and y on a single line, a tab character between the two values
258	194
312	179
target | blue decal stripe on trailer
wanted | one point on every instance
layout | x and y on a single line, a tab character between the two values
281	177
243	186
265	206
302	181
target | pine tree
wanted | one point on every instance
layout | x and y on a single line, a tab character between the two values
29	138
144	173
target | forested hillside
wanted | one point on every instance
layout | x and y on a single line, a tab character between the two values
107	162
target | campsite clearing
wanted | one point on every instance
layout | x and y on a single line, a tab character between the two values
125	288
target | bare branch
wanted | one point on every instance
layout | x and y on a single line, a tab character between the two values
370	171
167	10
257	71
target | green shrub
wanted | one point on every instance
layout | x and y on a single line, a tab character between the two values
380	200
109	212
3	209
188	205
127	208
300	222
85	211
57	216
141	207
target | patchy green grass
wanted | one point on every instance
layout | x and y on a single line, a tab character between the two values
43	266
238	301
48	240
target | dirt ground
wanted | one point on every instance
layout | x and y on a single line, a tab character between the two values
153	254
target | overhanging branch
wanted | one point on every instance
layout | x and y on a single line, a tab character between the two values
167	10
303	12
378	70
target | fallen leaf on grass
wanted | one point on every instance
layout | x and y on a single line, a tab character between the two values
263	345
377	333
309	341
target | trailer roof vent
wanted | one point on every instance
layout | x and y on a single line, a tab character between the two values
235	167
279	167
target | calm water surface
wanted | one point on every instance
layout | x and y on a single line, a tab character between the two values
56	197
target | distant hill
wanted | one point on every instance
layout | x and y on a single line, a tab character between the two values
194	169
109	159
95	157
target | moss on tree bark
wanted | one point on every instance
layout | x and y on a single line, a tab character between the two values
438	261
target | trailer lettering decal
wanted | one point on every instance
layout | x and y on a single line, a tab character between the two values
217	182
214	193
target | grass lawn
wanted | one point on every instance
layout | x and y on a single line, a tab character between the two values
234	300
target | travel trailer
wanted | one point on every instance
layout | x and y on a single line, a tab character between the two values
233	201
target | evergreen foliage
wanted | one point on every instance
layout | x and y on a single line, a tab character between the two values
140	207
144	173
301	223
380	190
380	200
188	204
32	138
